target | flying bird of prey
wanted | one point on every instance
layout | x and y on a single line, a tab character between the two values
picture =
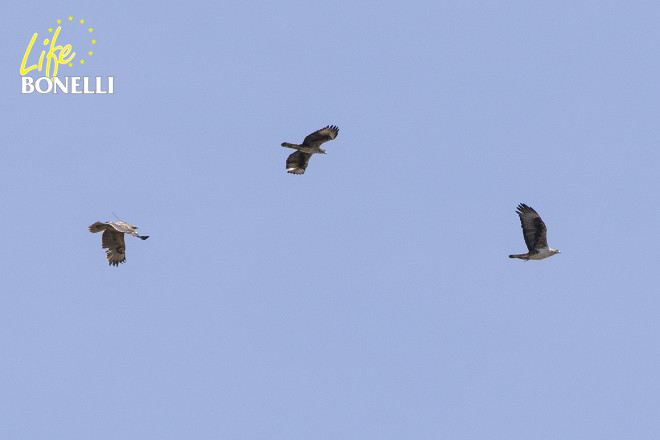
297	162
113	239
534	231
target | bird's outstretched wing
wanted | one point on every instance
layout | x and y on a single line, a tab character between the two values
297	162
321	136
126	229
113	241
534	229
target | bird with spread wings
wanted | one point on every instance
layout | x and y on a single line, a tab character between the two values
113	239
297	162
534	231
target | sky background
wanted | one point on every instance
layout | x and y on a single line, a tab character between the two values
371	297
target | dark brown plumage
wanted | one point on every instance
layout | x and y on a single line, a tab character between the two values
535	234
113	239
297	162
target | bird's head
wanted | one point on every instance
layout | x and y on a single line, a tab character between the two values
555	251
322	151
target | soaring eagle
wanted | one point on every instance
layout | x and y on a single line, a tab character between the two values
297	162
534	231
113	239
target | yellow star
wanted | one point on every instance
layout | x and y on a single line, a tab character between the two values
90	29
59	21
90	52
50	30
82	21
93	41
70	18
82	61
70	64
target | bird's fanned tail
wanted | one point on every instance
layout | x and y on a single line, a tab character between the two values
97	227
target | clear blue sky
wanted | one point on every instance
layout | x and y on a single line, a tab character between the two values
372	297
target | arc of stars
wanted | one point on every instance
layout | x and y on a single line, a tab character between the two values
82	21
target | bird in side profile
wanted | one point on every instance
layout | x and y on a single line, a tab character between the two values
534	231
297	162
113	239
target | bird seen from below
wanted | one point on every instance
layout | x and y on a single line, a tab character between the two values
534	231
297	162
113	239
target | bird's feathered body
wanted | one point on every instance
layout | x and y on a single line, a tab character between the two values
113	239
535	234
297	162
